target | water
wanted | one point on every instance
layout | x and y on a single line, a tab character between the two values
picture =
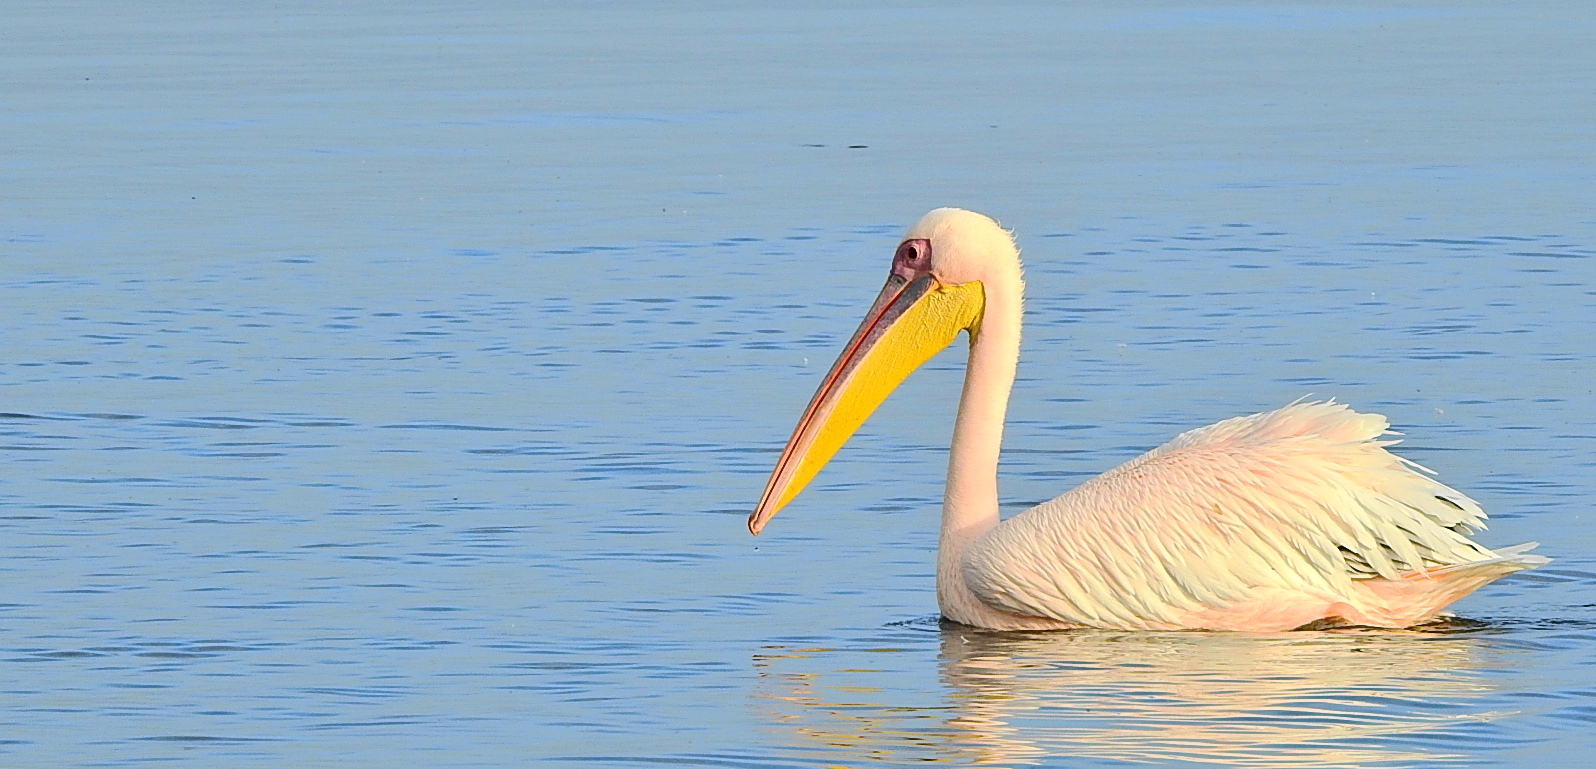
387	384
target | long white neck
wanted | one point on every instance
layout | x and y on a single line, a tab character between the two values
970	502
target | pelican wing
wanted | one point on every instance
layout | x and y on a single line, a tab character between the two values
1302	501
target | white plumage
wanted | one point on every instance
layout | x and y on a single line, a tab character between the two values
1271	520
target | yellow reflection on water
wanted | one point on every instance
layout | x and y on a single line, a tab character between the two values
1286	700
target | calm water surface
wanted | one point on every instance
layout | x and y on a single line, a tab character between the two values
386	385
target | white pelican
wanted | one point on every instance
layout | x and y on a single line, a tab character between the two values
1266	522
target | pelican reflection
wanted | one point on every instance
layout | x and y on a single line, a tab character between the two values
1306	699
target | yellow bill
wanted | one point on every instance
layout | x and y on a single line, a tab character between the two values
915	317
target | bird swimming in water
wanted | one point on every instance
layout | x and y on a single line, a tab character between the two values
1275	521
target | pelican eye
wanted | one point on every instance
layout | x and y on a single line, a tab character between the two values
915	252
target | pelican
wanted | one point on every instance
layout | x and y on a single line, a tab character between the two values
1286	519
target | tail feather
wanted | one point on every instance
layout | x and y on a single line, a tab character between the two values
1507	561
1420	596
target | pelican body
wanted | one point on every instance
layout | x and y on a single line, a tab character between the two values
1275	521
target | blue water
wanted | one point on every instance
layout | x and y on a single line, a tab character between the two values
386	384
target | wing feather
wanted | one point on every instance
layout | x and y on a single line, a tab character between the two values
1304	498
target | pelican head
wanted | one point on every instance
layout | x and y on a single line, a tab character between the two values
938	286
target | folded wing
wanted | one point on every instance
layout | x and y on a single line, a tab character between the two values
1268	515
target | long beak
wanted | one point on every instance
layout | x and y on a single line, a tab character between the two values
913	319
